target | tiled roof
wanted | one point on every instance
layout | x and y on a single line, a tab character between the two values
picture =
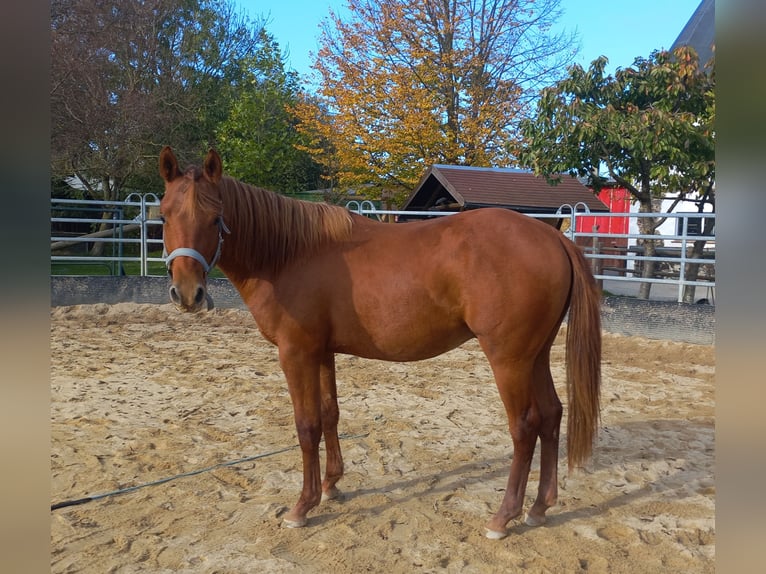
472	187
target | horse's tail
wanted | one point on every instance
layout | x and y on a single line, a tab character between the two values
583	358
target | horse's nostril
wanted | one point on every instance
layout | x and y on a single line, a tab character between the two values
174	296
199	296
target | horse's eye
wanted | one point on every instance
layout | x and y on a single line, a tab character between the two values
162	218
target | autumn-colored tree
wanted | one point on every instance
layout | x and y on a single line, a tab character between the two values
650	126
408	83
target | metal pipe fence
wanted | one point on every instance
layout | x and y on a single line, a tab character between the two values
120	236
625	252
130	234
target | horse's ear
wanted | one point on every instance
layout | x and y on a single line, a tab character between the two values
213	168
168	165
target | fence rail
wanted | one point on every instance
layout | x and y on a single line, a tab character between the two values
125	238
674	260
127	232
627	255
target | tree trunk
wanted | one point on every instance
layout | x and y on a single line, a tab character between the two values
647	226
109	195
691	271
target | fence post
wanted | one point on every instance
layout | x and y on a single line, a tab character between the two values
144	246
682	268
145	233
597	261
120	214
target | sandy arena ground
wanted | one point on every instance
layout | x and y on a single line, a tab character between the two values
140	393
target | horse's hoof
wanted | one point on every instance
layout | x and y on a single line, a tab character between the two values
288	523
534	520
332	494
494	534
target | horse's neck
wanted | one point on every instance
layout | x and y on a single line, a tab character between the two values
257	293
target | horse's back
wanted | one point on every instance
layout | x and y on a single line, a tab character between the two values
484	250
470	230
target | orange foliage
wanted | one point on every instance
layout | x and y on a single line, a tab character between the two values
409	83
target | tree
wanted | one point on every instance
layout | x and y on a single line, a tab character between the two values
258	140
650	127
408	83
129	77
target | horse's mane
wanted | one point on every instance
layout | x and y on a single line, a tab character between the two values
269	230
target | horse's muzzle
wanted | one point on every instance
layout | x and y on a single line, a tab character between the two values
191	300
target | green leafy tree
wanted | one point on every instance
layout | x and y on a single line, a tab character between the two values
258	140
650	127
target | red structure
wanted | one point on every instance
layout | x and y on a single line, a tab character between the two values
618	201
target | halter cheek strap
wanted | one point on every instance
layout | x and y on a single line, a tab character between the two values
194	254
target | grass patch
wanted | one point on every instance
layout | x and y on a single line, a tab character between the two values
114	268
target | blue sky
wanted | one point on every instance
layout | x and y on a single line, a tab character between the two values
619	29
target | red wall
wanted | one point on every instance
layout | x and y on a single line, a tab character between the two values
617	199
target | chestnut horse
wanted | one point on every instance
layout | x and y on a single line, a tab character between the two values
320	280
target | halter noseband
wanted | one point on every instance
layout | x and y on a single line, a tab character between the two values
194	254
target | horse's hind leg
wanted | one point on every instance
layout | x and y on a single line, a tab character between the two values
330	415
514	381
549	407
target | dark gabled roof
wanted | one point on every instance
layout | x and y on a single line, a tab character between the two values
699	32
520	190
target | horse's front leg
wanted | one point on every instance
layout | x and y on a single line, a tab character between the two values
330	415
302	374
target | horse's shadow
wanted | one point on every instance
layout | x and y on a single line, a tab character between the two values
644	435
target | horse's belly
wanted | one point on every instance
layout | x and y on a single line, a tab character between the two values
394	339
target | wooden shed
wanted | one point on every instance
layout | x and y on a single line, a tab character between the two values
459	188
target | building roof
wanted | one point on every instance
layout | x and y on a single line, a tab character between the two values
452	188
699	32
